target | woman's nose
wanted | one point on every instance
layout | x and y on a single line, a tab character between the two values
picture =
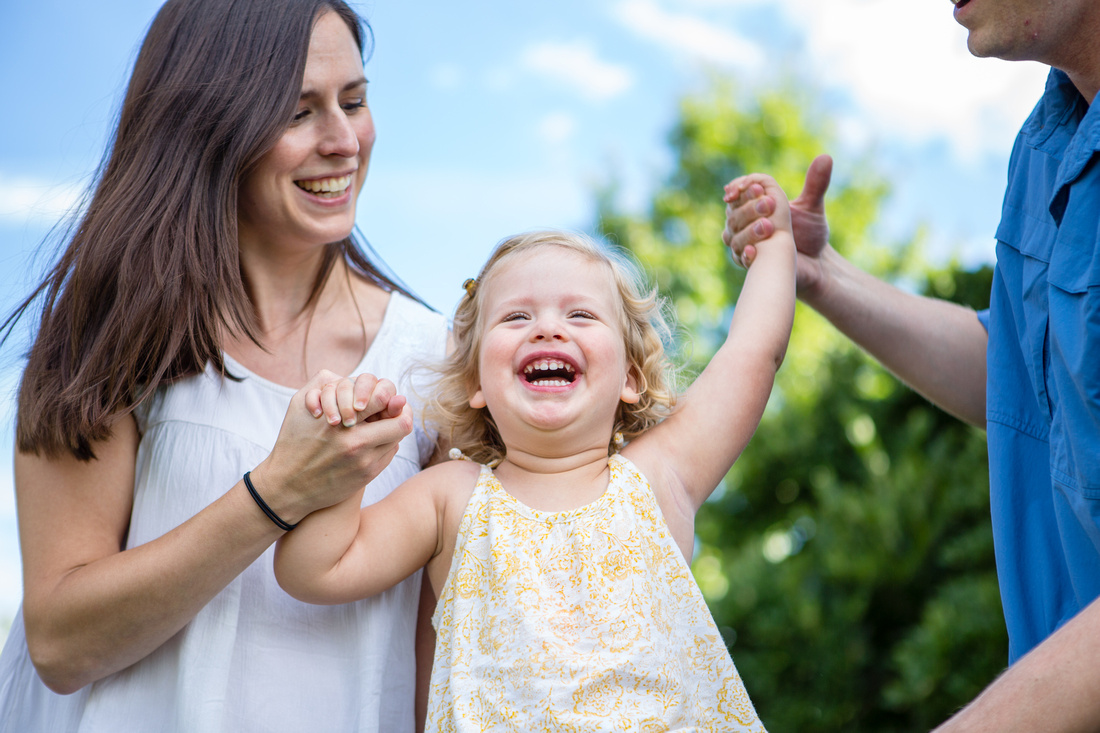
338	137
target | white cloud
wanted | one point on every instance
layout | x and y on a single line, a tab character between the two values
688	35
557	127
24	200
445	76
499	79
907	68
724	3
904	66
577	65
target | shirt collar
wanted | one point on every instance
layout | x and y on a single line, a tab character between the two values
1056	112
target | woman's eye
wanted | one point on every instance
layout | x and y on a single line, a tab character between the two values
301	115
354	105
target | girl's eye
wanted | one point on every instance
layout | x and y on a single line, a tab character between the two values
517	316
582	314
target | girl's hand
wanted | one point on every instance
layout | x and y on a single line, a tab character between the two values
346	401
312	466
748	223
760	209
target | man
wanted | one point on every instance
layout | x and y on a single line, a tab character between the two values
1028	369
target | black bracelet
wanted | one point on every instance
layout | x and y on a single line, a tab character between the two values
279	521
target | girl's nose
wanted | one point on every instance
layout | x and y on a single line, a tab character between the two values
549	329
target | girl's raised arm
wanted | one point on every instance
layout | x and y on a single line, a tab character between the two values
713	422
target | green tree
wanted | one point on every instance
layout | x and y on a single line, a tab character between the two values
847	557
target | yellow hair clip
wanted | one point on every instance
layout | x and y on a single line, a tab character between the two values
471	286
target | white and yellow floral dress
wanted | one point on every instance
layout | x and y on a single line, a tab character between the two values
585	620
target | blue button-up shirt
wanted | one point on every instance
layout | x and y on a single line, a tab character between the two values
1043	393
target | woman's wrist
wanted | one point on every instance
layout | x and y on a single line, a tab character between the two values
271	513
273	497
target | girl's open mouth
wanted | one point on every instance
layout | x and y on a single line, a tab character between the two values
550	373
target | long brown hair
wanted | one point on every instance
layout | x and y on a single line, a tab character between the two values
151	275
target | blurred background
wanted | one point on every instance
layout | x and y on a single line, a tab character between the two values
848	555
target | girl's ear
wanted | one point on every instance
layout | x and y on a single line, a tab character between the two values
477	400
630	394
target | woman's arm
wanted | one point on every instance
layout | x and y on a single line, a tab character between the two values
92	609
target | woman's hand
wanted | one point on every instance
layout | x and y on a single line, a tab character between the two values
347	401
92	608
317	463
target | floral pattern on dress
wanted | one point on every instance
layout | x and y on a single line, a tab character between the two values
586	620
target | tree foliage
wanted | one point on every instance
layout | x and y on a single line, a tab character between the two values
848	555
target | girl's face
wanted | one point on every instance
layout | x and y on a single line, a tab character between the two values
303	191
552	351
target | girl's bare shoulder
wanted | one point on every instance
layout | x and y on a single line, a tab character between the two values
447	481
451	469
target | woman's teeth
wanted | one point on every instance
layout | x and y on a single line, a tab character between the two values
326	187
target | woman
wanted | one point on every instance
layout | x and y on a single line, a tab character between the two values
212	273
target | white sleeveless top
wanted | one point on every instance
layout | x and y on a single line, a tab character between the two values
253	659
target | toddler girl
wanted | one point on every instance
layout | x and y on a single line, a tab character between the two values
559	551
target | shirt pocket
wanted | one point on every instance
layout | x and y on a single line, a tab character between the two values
1024	247
1074	379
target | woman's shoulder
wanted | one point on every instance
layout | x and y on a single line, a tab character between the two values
411	337
234	402
410	311
410	325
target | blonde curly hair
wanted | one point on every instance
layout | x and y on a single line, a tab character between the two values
645	329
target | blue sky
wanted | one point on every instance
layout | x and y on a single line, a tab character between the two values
495	117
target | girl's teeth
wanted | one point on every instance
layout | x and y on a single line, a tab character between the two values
548	365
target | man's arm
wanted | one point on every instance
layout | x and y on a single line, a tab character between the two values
1053	688
934	346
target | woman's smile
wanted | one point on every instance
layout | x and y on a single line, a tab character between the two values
327	187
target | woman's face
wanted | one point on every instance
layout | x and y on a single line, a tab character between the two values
303	191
